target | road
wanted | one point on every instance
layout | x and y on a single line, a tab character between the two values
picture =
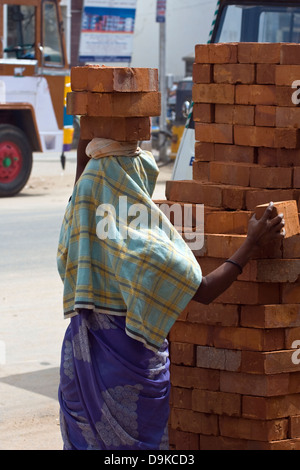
31	323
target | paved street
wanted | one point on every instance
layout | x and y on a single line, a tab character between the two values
31	323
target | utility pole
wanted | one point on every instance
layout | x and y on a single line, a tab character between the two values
161	19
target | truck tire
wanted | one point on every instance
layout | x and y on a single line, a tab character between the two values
15	160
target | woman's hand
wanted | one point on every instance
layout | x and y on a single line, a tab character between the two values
266	229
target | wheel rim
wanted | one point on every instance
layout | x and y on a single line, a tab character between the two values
10	161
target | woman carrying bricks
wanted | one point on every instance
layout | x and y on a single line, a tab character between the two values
123	295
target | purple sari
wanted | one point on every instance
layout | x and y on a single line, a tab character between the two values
114	392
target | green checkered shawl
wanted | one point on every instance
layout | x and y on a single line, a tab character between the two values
148	276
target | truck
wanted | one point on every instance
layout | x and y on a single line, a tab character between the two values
239	21
34	81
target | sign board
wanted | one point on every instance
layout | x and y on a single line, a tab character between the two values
161	11
107	28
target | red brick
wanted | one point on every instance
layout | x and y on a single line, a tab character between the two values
250	293
185	440
266	137
274	270
286	74
212	314
190	333
230	173
292	335
265	74
271	362
182	398
290	54
284	95
222	245
195	377
204	151
234	73
266	408
201	171
219	403
234	153
218	358
294	426
254	384
288	117
227	443
121	129
183	353
114	104
291	247
221	53
213	93
265	116
202	73
270	316
234	114
194	191
259	53
193	421
270	177
216	133
278	157
290	212
109	79
233	197
203	112
262	196
252	339
253	429
296	177
256	94
290	293
227	222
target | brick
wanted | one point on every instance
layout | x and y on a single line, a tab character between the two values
114	104
202	73
270	316
290	212
182	398
294	382
291	247
284	95
290	293
286	74
109	79
291	335
185	440
218	358
267	137
216	133
265	116
253	429
259	53
213	93
254	384
267	408
203	112
227	222
271	362
256	94
222	245
234	153
296	177
204	151
201	171
275	270
183	353
219	53
234	114
233	197
250	293
193	421
230	173
294	426
234	73
218	403
270	177
262	196
212	314
252	339
290	54
194	377
120	129
265	74
227	443
278	157
194	191
288	117
179	213
190	333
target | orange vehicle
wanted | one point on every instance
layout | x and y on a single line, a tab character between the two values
34	80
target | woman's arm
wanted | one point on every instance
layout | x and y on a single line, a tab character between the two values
260	232
82	158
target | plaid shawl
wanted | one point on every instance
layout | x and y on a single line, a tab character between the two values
148	276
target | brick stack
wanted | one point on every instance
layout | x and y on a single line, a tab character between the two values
114	102
234	383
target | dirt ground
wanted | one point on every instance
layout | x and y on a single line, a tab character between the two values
31	323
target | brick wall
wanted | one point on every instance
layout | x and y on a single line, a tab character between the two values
234	384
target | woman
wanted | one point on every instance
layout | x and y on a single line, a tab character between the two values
125	284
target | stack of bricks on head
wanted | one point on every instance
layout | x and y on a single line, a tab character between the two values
114	102
235	371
